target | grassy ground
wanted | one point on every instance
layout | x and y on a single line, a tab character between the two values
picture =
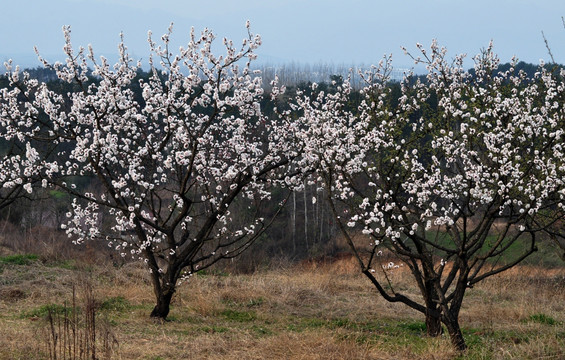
307	311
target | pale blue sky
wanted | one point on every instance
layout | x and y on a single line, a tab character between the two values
346	32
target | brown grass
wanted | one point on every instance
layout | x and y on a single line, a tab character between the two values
315	310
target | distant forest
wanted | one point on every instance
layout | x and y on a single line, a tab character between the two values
298	75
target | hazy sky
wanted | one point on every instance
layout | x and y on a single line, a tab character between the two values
345	32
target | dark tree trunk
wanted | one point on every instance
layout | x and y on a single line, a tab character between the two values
164	286
452	324
161	310
433	325
433	314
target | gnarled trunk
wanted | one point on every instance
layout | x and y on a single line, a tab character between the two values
162	308
433	325
433	313
455	334
164	286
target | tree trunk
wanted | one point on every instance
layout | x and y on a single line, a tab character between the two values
161	310
433	313
454	331
293	223
433	325
164	284
306	218
321	218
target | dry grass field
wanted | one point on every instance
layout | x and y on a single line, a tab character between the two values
307	311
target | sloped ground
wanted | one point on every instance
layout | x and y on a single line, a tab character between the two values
308	311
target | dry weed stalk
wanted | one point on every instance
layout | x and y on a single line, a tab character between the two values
75	333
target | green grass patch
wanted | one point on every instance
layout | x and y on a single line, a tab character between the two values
239	316
44	310
117	304
63	264
483	338
415	326
542	319
344	323
475	338
214	329
299	325
313	323
255	302
19	259
409	334
261	330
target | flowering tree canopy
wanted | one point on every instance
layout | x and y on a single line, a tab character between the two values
12	158
18	157
461	167
165	171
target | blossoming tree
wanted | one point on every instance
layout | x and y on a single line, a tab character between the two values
11	188
461	168
17	160
166	171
